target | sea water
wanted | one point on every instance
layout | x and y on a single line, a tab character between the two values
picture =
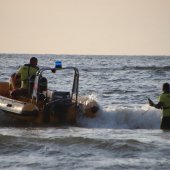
125	133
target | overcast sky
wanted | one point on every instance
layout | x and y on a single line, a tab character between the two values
111	27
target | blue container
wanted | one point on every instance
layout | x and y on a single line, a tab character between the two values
58	64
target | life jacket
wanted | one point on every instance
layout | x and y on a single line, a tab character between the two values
26	71
165	100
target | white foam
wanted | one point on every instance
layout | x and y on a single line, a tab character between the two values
137	117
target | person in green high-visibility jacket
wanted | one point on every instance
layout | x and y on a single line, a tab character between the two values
25	72
164	104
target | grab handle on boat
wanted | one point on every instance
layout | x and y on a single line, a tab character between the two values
9	105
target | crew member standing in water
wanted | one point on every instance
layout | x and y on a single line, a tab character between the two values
164	104
25	72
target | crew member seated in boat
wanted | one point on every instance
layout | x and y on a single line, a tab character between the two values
164	104
14	81
24	72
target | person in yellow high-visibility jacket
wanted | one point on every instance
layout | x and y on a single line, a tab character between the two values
164	104
24	72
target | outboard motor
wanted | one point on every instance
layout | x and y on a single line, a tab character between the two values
59	105
61	100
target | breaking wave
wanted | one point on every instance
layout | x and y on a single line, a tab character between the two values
118	117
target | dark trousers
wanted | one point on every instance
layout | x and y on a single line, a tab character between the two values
165	123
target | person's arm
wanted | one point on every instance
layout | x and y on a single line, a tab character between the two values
159	105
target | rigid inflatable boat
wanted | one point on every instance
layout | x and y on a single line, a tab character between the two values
43	105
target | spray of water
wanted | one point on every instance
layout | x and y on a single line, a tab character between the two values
123	117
